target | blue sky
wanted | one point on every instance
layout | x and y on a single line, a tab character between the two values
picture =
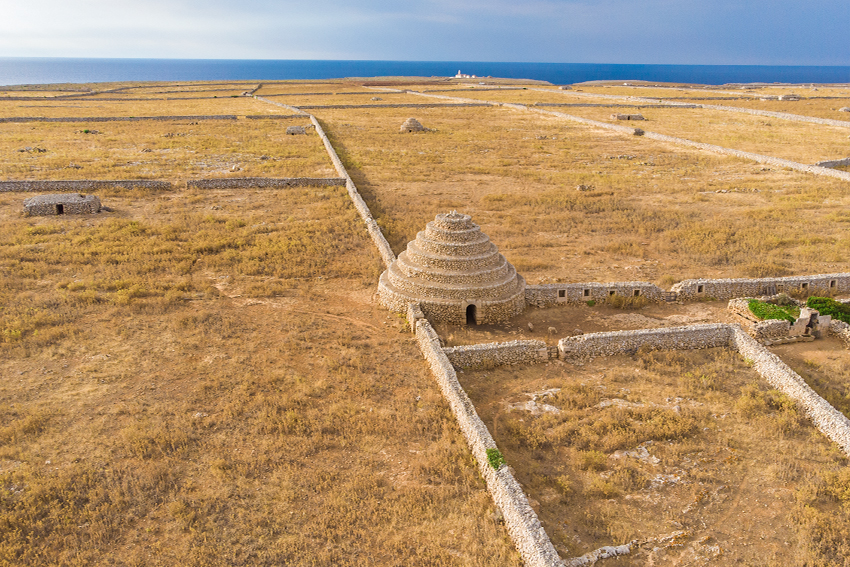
778	32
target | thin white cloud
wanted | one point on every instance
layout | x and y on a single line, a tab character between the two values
652	31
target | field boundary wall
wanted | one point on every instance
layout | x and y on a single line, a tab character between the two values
521	521
688	337
756	287
264	182
547	295
401	105
826	418
371	224
26	119
498	354
79	185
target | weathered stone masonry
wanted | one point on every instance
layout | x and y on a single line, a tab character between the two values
732	288
264	182
520	520
455	274
498	354
62	204
547	295
619	342
80	185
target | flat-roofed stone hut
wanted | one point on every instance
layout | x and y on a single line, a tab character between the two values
62	204
455	274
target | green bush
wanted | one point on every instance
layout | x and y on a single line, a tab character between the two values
828	306
765	311
495	458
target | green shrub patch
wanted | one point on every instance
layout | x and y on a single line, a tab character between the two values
764	311
828	306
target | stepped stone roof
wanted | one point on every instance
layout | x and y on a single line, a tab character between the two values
412	125
456	275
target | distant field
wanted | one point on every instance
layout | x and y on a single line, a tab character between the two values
517	174
161	150
115	106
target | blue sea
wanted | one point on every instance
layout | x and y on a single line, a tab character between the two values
20	71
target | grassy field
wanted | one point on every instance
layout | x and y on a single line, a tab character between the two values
116	106
644	201
161	150
689	454
205	377
200	378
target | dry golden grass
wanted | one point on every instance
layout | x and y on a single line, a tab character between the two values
297	87
161	150
215	387
730	464
386	98
795	141
203	378
517	174
115	106
818	108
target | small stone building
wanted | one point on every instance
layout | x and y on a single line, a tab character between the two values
627	117
62	204
455	274
296	130
411	125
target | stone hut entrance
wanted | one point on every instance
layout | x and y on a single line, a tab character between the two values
451	270
470	314
60	209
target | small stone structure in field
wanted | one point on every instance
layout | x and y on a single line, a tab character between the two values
412	125
790	96
61	204
455	274
844	109
627	117
296	130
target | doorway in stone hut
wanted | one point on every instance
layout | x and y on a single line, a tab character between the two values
60	209
471	314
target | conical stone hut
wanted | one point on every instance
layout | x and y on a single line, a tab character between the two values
411	125
455	274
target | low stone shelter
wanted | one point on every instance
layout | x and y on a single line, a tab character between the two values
412	125
62	204
455	274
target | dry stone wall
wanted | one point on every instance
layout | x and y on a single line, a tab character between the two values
731	288
627	342
834	163
829	420
522	523
264	182
25	119
371	224
498	354
547	295
80	185
841	330
408	105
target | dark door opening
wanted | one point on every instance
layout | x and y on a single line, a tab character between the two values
60	209
470	315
